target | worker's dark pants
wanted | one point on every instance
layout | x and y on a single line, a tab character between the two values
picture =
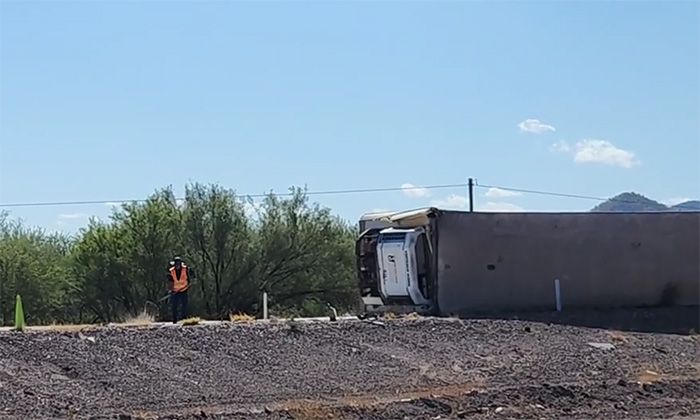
179	300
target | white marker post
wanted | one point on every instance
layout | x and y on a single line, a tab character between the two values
264	305
557	294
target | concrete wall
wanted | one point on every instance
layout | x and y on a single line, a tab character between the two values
601	259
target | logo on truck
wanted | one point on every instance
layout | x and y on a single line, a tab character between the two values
392	260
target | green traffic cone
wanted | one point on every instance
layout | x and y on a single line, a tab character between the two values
19	314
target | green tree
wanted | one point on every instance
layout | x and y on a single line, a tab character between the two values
306	255
295	250
100	263
35	265
220	237
152	234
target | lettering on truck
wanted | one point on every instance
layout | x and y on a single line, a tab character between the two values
408	272
384	273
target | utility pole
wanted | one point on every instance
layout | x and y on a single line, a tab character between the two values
471	195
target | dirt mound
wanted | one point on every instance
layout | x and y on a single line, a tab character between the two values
360	370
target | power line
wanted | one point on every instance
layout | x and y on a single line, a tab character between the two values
537	192
334	192
556	194
309	193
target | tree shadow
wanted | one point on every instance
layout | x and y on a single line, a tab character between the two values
683	320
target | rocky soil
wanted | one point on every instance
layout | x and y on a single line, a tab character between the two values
411	368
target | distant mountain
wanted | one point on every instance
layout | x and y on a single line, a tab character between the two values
632	202
692	205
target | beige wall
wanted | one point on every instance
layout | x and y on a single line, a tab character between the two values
601	259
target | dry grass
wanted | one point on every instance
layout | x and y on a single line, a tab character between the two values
241	318
618	336
388	315
649	376
310	410
63	327
144	318
433	392
191	321
317	410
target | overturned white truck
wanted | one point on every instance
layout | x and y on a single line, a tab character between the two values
444	262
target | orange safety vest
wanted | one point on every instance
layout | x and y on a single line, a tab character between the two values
180	284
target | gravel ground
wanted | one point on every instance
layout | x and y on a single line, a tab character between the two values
421	368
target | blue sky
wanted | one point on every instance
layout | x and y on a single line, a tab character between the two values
111	100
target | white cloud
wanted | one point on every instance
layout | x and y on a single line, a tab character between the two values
597	151
414	191
560	146
454	201
532	125
460	202
602	151
500	193
493	207
71	217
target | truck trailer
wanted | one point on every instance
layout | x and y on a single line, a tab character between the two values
444	262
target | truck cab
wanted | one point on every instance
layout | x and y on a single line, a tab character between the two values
395	262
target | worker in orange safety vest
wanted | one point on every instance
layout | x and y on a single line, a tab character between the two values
179	279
